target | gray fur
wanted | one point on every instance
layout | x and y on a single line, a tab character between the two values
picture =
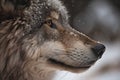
33	47
40	8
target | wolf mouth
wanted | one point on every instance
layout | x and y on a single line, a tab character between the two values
56	62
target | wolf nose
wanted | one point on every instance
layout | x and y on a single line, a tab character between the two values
99	49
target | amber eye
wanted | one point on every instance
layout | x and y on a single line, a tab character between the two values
51	24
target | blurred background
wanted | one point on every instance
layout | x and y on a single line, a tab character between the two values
99	19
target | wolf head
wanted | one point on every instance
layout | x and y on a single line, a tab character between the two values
50	42
56	42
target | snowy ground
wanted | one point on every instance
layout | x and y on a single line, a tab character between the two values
107	68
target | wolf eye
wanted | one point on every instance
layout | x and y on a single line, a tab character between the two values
51	24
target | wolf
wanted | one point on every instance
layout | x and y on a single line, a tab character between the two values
36	40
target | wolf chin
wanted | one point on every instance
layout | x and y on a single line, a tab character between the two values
36	40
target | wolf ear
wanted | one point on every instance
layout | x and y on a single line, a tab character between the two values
54	15
21	3
12	5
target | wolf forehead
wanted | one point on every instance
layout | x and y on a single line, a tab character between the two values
40	9
37	10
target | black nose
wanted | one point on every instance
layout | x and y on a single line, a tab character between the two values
99	49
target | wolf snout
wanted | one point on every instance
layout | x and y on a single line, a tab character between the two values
98	50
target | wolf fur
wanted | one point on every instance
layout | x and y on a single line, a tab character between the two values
36	40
